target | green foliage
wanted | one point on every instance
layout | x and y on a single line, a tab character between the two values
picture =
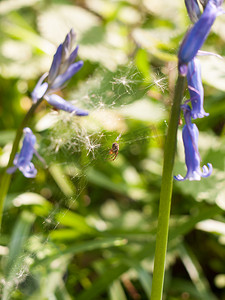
85	227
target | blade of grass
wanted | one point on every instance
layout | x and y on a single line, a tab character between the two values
195	272
83	247
16	268
103	282
116	291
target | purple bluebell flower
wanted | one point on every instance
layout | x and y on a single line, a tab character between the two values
196	89
22	160
62	78
61	70
63	66
59	103
193	10
54	69
192	158
197	35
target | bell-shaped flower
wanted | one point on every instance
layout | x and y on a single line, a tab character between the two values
192	158
197	35
193	10
196	90
22	160
59	103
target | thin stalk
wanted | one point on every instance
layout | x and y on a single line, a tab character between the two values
166	193
5	182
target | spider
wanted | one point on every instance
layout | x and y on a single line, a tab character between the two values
114	151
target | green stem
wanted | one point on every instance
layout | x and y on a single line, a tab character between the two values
5	182
166	193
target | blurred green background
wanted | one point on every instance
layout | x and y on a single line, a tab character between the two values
85	227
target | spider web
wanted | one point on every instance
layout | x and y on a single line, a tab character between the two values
76	145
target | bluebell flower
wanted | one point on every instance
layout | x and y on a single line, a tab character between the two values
63	66
196	89
22	160
59	103
197	35
193	10
62	78
61	70
192	158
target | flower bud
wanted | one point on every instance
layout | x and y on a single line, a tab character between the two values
197	35
193	10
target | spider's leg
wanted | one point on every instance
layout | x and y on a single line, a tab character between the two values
115	156
111	157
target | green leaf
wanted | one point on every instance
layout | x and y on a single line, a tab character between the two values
30	199
195	272
183	227
102	243
145	280
15	263
106	278
144	110
63	181
142	63
102	180
152	41
16	27
57	20
66	234
11	5
72	219
6	136
116	291
102	283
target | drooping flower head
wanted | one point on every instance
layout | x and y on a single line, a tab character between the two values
62	69
196	89
22	160
192	158
197	35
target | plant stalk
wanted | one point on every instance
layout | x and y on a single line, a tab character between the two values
6	178
166	193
